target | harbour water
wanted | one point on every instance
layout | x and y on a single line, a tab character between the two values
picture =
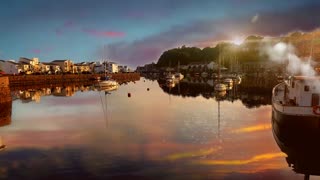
180	132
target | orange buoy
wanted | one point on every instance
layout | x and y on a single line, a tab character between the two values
129	94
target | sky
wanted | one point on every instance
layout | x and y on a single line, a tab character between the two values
137	32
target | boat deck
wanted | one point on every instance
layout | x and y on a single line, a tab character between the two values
287	107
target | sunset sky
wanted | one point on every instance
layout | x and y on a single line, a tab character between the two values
138	31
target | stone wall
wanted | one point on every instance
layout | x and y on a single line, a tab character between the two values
5	113
5	95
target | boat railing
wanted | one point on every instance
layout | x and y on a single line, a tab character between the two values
282	105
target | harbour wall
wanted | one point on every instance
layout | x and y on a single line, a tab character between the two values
5	95
31	80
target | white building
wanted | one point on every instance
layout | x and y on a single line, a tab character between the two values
112	67
123	69
50	68
65	65
9	67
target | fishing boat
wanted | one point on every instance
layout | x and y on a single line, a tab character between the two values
300	142
296	100
219	86
228	81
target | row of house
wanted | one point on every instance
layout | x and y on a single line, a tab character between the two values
33	66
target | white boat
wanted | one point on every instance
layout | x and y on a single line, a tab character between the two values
297	99
204	74
170	78
228	81
220	87
178	76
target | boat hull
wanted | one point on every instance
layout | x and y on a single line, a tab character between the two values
298	138
305	121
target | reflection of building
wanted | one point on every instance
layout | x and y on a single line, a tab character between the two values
64	91
5	113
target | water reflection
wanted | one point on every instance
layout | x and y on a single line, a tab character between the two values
140	137
5	113
300	142
252	92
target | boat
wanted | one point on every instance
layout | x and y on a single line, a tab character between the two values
170	78
297	100
178	76
228	81
300	142
219	86
204	74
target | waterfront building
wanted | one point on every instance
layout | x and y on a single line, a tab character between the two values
50	68
34	65
82	67
112	67
9	67
66	65
123	69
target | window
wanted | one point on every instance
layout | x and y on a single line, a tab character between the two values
306	88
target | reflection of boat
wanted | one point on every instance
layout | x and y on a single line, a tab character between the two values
296	100
2	146
299	141
108	84
108	88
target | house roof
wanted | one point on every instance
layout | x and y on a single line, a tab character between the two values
24	58
59	60
48	63
12	62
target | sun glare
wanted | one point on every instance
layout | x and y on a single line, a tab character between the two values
237	41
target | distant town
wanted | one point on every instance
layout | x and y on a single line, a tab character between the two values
66	66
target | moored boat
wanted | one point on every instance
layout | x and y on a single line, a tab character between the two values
297	99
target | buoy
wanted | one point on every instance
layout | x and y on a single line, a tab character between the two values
148	89
129	94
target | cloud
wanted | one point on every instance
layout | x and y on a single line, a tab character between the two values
67	25
41	50
111	34
208	32
255	18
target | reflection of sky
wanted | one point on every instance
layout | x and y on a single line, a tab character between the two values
149	126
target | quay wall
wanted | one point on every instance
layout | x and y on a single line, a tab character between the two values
27	80
5	95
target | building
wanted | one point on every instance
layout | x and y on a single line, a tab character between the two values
9	67
82	67
33	65
66	65
123	69
112	67
50	68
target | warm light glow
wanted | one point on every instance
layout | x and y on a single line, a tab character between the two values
238	41
259	127
199	153
261	157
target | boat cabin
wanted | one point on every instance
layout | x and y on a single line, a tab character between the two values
303	91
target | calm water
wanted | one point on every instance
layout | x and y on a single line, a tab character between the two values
184	132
